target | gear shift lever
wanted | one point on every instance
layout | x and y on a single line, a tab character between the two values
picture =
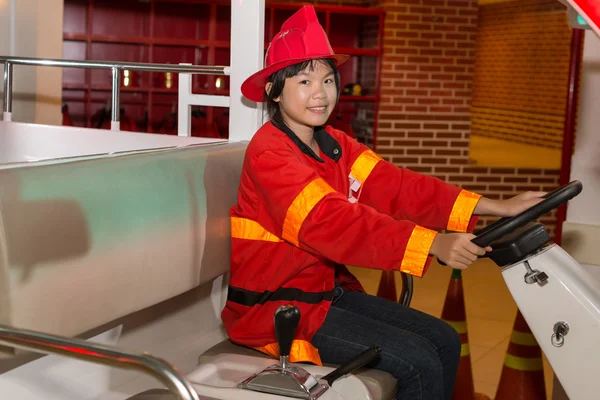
286	322
283	379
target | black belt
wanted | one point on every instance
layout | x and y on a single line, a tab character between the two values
250	298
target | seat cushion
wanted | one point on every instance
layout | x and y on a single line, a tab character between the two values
380	384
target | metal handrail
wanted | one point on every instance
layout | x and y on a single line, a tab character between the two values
149	67
101	354
115	66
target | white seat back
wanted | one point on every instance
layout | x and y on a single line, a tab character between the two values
85	242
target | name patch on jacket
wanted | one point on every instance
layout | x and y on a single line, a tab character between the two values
353	189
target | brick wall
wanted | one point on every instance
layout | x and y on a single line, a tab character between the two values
425	118
426	87
521	72
503	183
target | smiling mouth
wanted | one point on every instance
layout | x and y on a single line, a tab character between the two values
317	109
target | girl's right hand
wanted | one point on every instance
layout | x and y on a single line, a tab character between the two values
456	249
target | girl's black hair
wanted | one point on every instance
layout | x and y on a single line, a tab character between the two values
278	78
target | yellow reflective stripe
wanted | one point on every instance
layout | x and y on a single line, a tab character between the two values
462	211
417	251
524	339
301	351
301	206
459	326
523	363
364	164
464	350
242	228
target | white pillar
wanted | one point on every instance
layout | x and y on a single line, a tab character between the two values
49	44
33	28
581	230
586	161
247	53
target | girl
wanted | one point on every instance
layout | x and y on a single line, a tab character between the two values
312	200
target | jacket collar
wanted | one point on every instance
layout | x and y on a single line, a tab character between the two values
326	142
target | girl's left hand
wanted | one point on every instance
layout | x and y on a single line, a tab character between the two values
519	203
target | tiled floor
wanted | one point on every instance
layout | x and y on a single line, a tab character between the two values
490	315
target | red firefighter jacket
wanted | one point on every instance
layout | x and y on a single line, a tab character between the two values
301	217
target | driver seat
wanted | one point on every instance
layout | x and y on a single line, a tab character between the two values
380	384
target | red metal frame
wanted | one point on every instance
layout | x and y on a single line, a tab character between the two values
88	55
153	98
151	57
378	81
577	38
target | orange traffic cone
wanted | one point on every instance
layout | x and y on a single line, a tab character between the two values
387	286
454	314
523	373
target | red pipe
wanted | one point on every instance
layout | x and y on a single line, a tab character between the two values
570	121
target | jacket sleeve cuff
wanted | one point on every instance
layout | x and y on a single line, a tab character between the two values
462	212
416	256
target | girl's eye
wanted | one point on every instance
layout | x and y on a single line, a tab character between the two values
304	82
328	80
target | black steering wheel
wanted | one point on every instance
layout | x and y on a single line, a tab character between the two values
506	225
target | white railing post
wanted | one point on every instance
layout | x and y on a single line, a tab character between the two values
184	109
115	114
7	103
247	52
186	99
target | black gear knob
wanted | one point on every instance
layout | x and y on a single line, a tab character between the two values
286	322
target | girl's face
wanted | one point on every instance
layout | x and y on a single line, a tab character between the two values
308	99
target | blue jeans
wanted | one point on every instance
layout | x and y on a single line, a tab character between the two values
422	352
